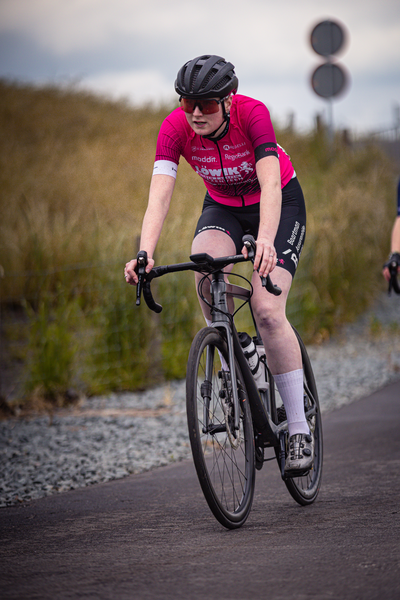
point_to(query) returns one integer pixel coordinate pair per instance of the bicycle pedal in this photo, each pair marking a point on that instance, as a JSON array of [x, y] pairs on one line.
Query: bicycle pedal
[[287, 476], [259, 452]]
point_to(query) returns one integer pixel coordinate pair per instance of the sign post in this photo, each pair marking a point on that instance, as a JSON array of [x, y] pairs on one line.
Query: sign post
[[329, 79]]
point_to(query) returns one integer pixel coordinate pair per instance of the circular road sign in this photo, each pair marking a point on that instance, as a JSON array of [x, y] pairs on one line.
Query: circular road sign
[[328, 80], [327, 38]]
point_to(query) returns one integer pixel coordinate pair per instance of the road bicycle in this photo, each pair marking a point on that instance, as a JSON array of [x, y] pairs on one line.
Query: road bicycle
[[233, 417]]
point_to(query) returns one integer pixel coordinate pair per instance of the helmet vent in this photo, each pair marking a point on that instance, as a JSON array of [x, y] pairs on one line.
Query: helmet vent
[[222, 83], [208, 78]]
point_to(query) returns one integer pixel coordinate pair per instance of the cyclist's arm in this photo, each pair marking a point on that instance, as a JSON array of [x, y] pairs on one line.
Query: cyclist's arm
[[268, 174], [161, 189], [395, 240]]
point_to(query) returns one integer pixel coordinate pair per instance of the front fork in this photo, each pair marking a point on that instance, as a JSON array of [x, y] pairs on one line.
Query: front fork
[[206, 386]]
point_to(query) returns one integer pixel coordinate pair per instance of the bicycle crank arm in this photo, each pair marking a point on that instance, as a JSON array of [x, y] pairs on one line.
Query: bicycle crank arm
[[282, 453]]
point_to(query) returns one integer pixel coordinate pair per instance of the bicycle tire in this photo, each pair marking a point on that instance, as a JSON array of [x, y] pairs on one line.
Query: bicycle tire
[[305, 489], [226, 474]]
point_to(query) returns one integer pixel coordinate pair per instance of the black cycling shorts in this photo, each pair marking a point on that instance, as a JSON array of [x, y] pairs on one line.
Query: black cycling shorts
[[236, 222]]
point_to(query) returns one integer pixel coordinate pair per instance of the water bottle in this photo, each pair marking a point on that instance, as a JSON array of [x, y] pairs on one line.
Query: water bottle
[[253, 353]]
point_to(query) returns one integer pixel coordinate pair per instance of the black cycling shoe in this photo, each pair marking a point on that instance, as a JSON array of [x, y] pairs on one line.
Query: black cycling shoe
[[300, 455]]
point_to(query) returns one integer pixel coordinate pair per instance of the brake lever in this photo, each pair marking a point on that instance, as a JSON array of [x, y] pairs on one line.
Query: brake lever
[[265, 281], [141, 271], [270, 287]]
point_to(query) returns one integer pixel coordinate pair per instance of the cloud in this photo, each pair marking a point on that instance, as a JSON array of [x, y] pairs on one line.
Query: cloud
[[145, 86], [68, 26], [134, 47], [254, 33]]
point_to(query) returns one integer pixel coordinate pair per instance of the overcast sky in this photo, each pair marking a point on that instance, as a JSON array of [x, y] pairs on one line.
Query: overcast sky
[[134, 48]]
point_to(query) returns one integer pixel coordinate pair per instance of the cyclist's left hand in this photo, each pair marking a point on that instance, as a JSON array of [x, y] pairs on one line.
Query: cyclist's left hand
[[130, 271], [265, 258]]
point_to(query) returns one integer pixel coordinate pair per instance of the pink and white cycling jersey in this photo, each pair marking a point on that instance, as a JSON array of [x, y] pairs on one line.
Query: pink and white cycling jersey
[[227, 166]]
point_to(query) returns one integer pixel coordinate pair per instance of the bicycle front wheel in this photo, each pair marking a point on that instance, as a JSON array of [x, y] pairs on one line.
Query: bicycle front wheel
[[224, 457]]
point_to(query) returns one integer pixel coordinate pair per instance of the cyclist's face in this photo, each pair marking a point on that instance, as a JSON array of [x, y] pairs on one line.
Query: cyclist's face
[[203, 124]]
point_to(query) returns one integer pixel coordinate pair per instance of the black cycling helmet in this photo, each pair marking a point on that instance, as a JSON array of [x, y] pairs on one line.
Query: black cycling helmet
[[206, 76]]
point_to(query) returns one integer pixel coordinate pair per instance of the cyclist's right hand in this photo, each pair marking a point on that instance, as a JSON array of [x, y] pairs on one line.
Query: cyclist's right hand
[[131, 270], [391, 263]]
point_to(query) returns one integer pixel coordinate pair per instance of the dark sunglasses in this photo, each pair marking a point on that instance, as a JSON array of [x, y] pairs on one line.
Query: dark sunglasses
[[207, 107]]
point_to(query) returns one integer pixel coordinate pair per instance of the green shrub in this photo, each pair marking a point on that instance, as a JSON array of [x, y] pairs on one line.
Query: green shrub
[[52, 347]]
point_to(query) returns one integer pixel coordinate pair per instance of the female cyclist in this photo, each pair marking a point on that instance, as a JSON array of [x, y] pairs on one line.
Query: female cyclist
[[252, 187]]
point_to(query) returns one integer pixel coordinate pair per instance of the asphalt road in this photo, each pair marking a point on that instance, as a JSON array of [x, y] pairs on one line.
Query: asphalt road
[[152, 536]]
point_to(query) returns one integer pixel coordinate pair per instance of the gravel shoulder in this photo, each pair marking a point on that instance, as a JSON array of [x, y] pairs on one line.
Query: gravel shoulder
[[113, 436]]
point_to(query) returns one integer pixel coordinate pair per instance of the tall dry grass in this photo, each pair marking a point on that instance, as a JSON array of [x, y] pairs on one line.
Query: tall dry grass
[[74, 177]]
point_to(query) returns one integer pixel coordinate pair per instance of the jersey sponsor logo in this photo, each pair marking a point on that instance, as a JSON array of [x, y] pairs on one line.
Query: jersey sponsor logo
[[292, 238], [270, 150], [246, 167], [236, 156], [227, 147], [298, 247], [267, 149], [228, 175], [228, 172], [204, 159]]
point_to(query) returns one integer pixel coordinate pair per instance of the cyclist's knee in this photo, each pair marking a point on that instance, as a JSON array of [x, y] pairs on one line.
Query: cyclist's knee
[[269, 311], [214, 242], [270, 320]]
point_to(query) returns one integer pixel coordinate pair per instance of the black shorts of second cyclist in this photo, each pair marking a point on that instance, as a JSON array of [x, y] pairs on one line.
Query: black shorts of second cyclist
[[236, 222]]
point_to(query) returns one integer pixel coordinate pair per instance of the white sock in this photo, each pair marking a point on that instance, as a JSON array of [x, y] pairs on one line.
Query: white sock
[[290, 387], [224, 366]]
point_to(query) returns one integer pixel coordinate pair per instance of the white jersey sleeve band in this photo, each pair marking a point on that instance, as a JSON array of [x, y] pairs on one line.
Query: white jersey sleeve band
[[165, 167]]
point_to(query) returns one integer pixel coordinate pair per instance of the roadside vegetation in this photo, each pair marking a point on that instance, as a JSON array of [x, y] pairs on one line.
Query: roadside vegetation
[[74, 177]]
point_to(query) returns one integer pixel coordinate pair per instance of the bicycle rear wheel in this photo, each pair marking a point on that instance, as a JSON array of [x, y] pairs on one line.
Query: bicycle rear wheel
[[305, 489], [224, 458]]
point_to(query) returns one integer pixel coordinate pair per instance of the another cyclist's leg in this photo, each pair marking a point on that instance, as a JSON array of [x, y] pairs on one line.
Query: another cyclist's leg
[[284, 359]]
